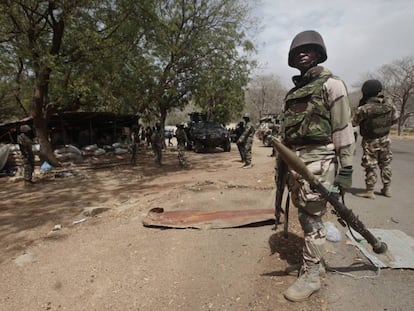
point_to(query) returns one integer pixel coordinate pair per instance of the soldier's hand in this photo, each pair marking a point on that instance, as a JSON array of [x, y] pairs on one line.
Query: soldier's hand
[[344, 177]]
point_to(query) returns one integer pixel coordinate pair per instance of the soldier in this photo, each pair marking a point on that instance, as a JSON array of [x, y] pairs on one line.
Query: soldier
[[317, 127], [182, 141], [375, 116], [238, 132], [157, 143], [246, 141], [25, 145]]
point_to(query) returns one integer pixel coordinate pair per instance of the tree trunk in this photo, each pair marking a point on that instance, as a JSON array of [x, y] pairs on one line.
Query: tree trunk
[[40, 125]]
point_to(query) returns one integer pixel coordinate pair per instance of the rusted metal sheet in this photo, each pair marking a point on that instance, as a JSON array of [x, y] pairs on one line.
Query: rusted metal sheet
[[199, 219]]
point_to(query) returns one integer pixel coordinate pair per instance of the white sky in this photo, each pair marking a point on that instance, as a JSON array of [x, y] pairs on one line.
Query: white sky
[[360, 35]]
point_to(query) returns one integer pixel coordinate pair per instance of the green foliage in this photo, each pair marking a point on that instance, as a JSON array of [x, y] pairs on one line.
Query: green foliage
[[124, 56]]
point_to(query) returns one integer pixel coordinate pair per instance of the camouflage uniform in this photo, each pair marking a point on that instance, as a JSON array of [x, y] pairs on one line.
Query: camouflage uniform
[[375, 118], [157, 143], [246, 141], [240, 146], [25, 145], [182, 140], [317, 126]]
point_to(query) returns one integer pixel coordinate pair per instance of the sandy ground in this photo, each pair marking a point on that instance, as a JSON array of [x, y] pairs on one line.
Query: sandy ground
[[103, 258]]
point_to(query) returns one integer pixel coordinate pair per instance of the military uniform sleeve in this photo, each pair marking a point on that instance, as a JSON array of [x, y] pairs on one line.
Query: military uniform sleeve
[[359, 116], [395, 113], [342, 130]]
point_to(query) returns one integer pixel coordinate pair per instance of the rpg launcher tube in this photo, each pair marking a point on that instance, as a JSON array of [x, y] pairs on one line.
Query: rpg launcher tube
[[296, 164]]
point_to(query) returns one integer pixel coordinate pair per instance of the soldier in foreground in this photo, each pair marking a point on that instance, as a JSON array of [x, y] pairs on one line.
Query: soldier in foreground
[[375, 116], [25, 145], [246, 141], [317, 127], [182, 141]]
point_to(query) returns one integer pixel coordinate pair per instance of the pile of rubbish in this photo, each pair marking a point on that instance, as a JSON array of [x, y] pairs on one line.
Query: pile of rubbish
[[11, 160], [70, 153]]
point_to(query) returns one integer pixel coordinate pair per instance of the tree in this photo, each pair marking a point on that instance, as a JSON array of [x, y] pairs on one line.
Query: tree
[[265, 95], [71, 54], [398, 82], [32, 34], [184, 42]]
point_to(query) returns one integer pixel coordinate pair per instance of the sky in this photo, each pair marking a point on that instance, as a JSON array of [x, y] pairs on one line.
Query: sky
[[360, 35]]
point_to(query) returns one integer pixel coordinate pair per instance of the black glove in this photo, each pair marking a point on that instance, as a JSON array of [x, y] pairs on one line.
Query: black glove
[[344, 177]]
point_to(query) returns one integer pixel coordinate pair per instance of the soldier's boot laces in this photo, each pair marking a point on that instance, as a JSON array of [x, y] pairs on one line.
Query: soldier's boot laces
[[386, 191], [307, 284], [298, 269], [369, 194]]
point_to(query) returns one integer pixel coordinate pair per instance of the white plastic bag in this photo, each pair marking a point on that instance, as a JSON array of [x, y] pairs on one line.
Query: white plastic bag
[[332, 232]]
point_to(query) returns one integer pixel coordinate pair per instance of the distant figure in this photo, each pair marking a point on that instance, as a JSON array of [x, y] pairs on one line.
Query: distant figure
[[182, 141], [375, 116], [275, 132], [170, 135], [143, 134], [148, 135], [25, 145], [246, 140], [135, 138], [157, 143]]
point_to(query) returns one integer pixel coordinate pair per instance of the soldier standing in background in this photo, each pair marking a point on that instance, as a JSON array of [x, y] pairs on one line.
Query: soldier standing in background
[[25, 145], [246, 141], [148, 134], [182, 141], [157, 140], [238, 132], [375, 116], [317, 127]]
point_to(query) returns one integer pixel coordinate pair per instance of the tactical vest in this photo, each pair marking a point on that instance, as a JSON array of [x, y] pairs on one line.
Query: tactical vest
[[379, 120], [306, 116]]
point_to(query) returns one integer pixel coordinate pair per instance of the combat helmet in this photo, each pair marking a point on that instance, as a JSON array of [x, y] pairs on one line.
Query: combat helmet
[[308, 37], [371, 88], [246, 115], [25, 128]]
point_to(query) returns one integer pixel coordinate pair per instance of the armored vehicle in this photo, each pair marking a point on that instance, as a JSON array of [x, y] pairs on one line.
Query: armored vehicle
[[205, 134]]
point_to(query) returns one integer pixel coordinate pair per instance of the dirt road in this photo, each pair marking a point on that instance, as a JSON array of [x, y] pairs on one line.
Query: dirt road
[[110, 261]]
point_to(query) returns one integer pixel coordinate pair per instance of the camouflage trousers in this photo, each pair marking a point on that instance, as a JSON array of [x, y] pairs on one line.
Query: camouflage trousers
[[376, 152], [240, 147], [182, 160], [28, 169], [248, 151], [157, 149], [311, 206]]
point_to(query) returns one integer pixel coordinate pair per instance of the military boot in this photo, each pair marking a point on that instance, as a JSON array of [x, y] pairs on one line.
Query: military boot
[[369, 194], [386, 191], [305, 285], [297, 269]]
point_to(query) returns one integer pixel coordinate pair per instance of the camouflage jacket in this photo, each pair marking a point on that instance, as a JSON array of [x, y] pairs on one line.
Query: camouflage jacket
[[317, 112], [156, 138], [248, 133], [25, 145], [181, 136], [376, 117]]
